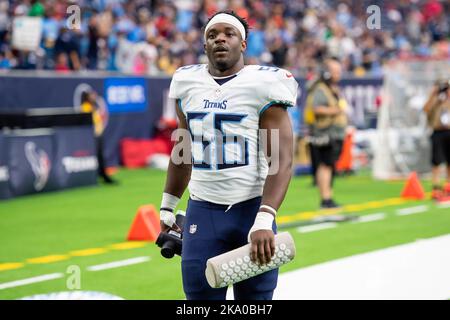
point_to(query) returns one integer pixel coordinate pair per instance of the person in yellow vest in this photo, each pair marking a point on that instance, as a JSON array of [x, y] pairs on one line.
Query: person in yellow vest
[[325, 115], [89, 105], [437, 109]]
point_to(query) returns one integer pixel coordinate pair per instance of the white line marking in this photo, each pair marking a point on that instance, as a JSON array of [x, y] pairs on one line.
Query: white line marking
[[411, 210], [370, 217], [23, 282], [317, 227], [118, 264]]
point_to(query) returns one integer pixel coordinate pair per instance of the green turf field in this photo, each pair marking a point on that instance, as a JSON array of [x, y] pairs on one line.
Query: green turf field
[[54, 225]]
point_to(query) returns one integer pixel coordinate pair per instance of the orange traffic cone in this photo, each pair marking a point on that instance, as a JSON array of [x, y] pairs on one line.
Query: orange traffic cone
[[345, 160], [145, 226], [413, 188]]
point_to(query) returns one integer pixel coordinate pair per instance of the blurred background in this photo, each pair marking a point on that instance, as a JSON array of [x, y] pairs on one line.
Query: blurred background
[[85, 127], [156, 37]]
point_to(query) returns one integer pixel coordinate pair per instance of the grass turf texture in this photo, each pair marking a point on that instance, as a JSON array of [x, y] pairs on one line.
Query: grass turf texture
[[96, 217]]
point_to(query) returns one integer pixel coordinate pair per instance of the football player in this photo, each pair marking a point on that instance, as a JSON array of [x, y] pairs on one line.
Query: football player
[[224, 105]]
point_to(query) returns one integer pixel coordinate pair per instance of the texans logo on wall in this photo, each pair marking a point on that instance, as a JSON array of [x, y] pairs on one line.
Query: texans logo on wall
[[40, 164]]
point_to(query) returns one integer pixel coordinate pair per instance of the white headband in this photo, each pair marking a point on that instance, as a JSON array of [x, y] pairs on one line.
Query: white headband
[[226, 18]]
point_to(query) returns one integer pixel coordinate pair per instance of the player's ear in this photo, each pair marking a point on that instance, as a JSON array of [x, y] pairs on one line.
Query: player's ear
[[204, 47], [243, 45]]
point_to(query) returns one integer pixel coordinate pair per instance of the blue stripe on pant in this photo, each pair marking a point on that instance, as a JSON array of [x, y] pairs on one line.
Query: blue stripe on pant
[[214, 232]]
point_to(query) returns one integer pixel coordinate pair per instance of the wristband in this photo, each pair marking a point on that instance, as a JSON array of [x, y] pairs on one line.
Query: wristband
[[263, 221], [272, 210], [168, 204], [169, 201]]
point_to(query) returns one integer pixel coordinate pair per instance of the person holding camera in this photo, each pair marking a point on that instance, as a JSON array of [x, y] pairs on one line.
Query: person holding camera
[[437, 109], [327, 120]]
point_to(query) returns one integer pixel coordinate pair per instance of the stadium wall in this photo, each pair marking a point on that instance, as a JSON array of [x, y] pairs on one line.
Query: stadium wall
[[133, 105], [42, 160]]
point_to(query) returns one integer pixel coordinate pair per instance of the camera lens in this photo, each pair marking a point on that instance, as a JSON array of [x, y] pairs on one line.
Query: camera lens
[[168, 249]]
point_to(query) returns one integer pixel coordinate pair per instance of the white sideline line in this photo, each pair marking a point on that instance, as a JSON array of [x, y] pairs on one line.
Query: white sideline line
[[317, 227], [23, 282], [411, 210], [118, 264], [370, 217]]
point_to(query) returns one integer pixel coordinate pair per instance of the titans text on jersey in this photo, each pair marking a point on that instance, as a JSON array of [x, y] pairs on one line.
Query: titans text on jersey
[[223, 121]]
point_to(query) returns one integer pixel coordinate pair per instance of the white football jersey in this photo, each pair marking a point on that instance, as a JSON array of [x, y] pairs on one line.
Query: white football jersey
[[223, 120]]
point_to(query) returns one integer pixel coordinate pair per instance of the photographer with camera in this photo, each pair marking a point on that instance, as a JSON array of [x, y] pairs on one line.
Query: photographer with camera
[[327, 121], [437, 109]]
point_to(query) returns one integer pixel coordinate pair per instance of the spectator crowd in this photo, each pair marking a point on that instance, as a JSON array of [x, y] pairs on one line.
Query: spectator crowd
[[156, 37]]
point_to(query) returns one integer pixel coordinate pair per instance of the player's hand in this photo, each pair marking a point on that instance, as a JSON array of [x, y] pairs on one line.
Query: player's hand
[[262, 246], [167, 221], [166, 228]]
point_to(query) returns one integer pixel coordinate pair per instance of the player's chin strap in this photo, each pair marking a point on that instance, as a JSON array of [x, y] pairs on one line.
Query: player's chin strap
[[263, 220], [168, 204]]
